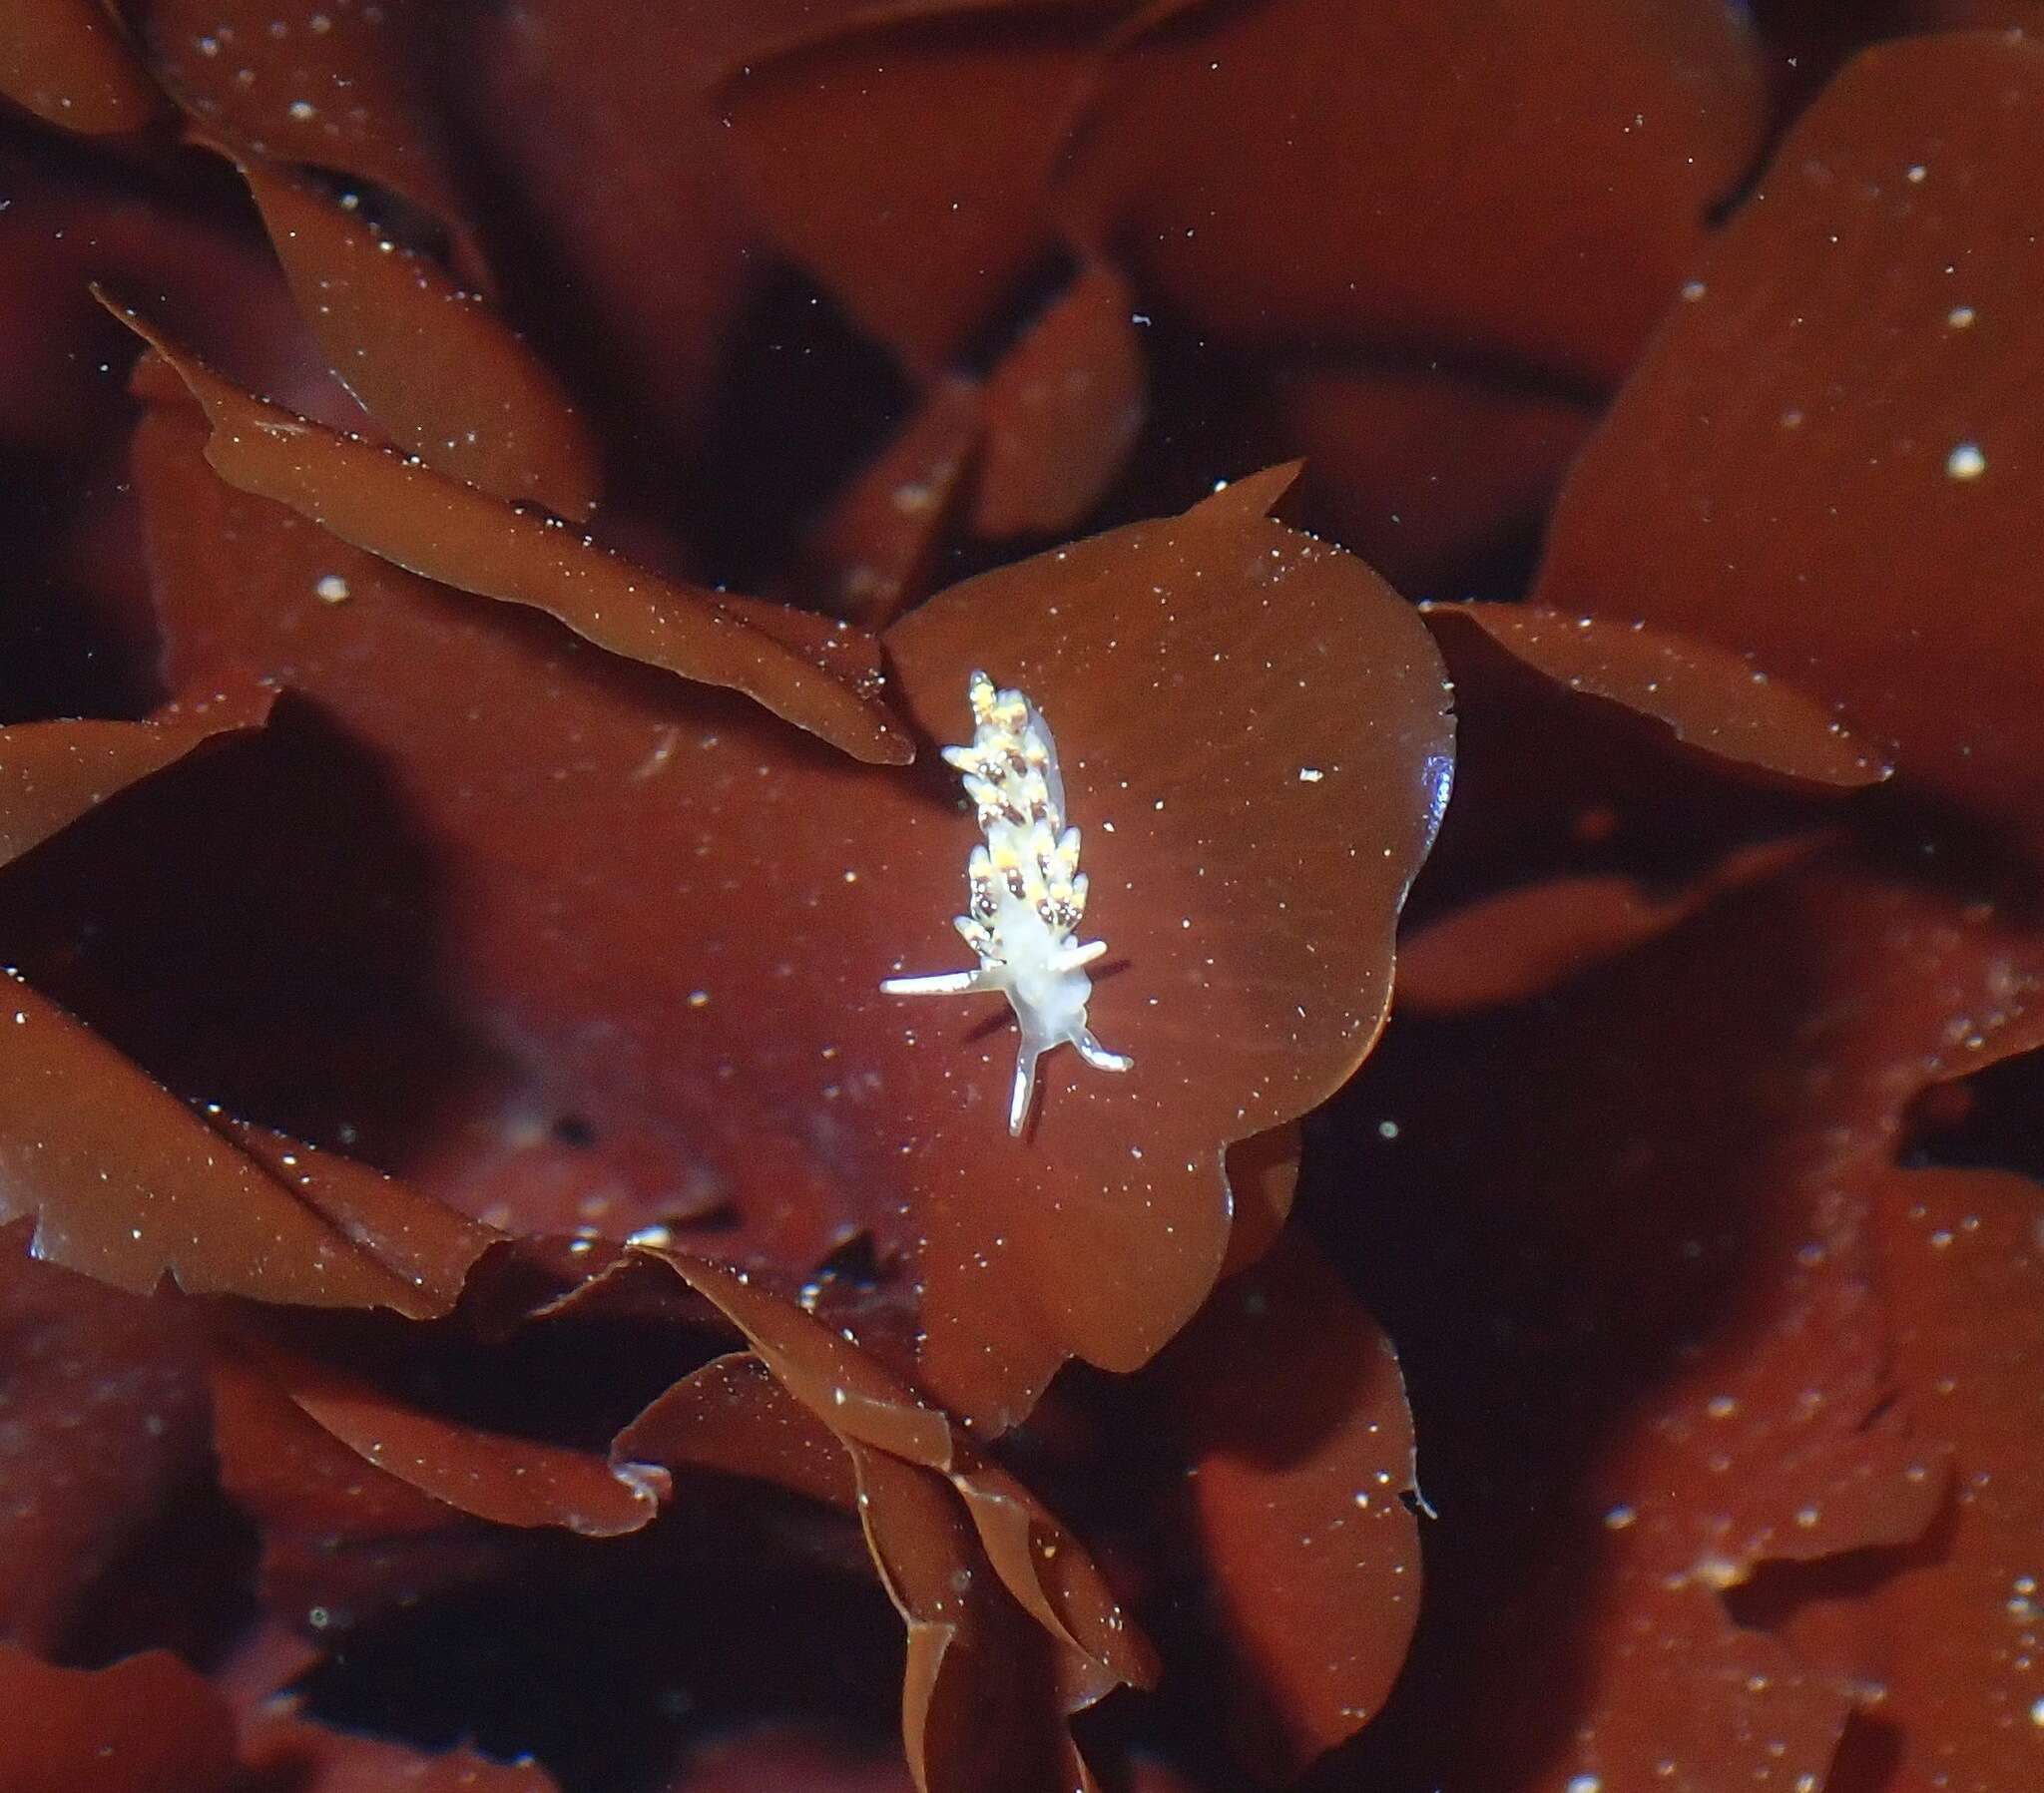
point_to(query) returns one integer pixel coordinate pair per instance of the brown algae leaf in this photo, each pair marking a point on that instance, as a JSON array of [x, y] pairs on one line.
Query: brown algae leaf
[[1256, 744], [145, 1724], [344, 88], [1423, 472], [69, 63], [735, 1416], [1710, 698], [446, 530], [287, 1747], [1254, 738], [1039, 1562], [1701, 1380], [106, 1420], [1064, 406], [337, 1532], [873, 551], [433, 364], [129, 1186], [1285, 1402], [1011, 1625], [984, 1693], [51, 773], [507, 1479], [1947, 1632], [1301, 170], [1826, 461], [953, 125]]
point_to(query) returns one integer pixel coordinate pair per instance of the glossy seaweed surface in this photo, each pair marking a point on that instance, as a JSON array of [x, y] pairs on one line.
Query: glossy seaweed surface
[[1525, 516]]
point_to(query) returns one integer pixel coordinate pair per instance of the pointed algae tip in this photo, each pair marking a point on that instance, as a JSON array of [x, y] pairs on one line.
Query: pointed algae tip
[[204, 386], [127, 316], [1253, 495]]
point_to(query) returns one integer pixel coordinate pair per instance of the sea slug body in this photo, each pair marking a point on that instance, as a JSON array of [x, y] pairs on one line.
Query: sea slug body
[[1027, 893]]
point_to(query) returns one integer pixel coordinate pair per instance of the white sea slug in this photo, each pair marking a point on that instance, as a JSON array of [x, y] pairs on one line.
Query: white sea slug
[[1027, 891]]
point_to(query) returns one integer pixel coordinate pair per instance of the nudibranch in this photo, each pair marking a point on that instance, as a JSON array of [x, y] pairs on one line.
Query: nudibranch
[[1027, 894]]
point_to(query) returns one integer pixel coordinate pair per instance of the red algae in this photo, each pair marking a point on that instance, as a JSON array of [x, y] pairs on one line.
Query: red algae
[[431, 363], [129, 1186], [1718, 1390], [1289, 172], [1710, 699], [70, 64], [51, 773], [1302, 1510], [1337, 801], [339, 86], [399, 508], [496, 1294], [872, 554], [1834, 485], [1934, 1633], [1063, 407], [130, 1374], [143, 1724]]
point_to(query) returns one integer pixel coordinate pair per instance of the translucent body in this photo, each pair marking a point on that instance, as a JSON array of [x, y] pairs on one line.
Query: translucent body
[[1027, 894]]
